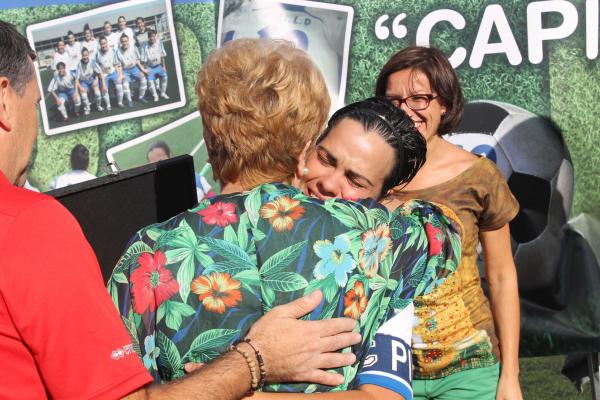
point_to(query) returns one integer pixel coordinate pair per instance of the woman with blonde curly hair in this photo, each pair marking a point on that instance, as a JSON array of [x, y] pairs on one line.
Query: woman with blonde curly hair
[[190, 287]]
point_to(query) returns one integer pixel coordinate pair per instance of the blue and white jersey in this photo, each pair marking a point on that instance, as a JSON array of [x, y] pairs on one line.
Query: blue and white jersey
[[74, 52], [388, 362], [85, 72], [153, 55], [106, 61], [128, 58], [202, 187], [61, 83], [113, 40], [320, 35], [129, 33], [60, 57], [141, 38], [92, 46]]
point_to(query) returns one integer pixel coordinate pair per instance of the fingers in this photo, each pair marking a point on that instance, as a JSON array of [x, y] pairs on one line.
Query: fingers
[[335, 360], [324, 378], [331, 327], [299, 307], [191, 367], [339, 341]]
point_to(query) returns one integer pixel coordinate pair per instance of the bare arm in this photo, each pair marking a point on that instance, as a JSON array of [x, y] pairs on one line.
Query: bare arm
[[141, 67], [227, 378], [501, 274], [293, 351]]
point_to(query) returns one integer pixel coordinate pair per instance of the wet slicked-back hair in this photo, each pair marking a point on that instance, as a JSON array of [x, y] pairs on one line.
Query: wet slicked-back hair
[[15, 57], [380, 116]]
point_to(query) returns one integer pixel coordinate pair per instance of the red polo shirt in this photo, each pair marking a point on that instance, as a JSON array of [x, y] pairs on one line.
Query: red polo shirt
[[60, 334]]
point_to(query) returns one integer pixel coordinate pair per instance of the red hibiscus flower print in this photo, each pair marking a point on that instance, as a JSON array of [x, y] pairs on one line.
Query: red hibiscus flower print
[[355, 301], [217, 291], [282, 212], [434, 235], [220, 213], [152, 283]]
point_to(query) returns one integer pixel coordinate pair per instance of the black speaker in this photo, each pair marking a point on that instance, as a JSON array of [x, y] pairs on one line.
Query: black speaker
[[110, 209]]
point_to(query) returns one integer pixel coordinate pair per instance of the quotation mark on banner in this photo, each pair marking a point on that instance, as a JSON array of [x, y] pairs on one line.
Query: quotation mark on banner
[[398, 30]]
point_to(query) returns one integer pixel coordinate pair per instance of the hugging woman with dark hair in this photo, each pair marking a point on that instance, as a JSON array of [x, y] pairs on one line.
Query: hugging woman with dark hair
[[189, 287]]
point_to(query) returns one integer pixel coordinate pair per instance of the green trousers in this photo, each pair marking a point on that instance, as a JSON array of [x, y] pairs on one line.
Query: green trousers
[[471, 384]]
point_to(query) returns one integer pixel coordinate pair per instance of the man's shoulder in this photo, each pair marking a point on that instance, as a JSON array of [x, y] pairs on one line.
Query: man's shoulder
[[14, 200], [26, 212]]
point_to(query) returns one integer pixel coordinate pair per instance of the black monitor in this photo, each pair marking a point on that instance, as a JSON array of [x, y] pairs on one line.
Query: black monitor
[[112, 208]]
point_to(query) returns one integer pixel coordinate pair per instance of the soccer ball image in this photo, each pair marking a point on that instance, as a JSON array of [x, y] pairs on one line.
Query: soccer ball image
[[531, 153]]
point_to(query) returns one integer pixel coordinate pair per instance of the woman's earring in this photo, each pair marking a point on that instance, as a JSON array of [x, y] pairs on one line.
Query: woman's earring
[[305, 171]]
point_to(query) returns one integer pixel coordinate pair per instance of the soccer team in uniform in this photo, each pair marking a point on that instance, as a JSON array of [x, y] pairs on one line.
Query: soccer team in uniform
[[86, 71]]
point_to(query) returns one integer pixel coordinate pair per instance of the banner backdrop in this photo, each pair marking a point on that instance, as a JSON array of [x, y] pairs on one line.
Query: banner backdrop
[[529, 71]]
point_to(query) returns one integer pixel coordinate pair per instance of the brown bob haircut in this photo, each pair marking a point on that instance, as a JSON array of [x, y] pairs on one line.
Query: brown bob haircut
[[442, 78], [261, 101]]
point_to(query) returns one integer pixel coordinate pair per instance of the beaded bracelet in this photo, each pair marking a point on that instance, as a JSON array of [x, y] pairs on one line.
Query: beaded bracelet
[[254, 379], [261, 365]]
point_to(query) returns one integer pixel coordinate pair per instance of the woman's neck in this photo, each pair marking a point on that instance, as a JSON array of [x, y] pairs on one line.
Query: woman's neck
[[429, 173], [232, 187], [237, 187]]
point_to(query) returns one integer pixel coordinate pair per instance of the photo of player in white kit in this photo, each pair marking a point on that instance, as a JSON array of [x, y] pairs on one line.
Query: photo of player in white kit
[[153, 57], [106, 59], [86, 80], [111, 37], [90, 42], [321, 29], [62, 87], [141, 33], [125, 30], [60, 55], [131, 70], [73, 49]]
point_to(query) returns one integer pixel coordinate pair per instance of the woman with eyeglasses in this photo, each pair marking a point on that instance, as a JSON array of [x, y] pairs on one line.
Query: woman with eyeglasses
[[459, 340]]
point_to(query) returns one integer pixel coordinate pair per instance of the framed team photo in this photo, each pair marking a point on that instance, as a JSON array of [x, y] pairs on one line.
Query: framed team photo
[[323, 30], [108, 64], [183, 136]]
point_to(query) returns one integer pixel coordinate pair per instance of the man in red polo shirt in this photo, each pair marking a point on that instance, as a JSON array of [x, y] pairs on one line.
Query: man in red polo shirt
[[60, 335]]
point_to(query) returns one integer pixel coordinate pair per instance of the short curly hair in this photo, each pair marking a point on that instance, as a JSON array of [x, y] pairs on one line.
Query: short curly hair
[[261, 101]]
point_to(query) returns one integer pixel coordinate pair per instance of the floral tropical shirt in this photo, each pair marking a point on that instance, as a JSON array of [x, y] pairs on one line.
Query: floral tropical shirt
[[189, 287]]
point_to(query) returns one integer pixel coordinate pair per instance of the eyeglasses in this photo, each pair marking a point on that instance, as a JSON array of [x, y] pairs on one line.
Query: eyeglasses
[[416, 102]]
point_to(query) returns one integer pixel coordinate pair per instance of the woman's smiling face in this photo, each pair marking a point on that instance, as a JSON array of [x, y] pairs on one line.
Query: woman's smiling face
[[348, 163], [410, 82]]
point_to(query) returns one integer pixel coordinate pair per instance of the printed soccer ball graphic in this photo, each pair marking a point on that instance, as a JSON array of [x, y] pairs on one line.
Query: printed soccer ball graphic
[[530, 152]]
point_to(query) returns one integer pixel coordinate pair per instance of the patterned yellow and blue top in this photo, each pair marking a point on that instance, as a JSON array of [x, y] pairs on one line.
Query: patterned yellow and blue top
[[455, 329], [189, 287]]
